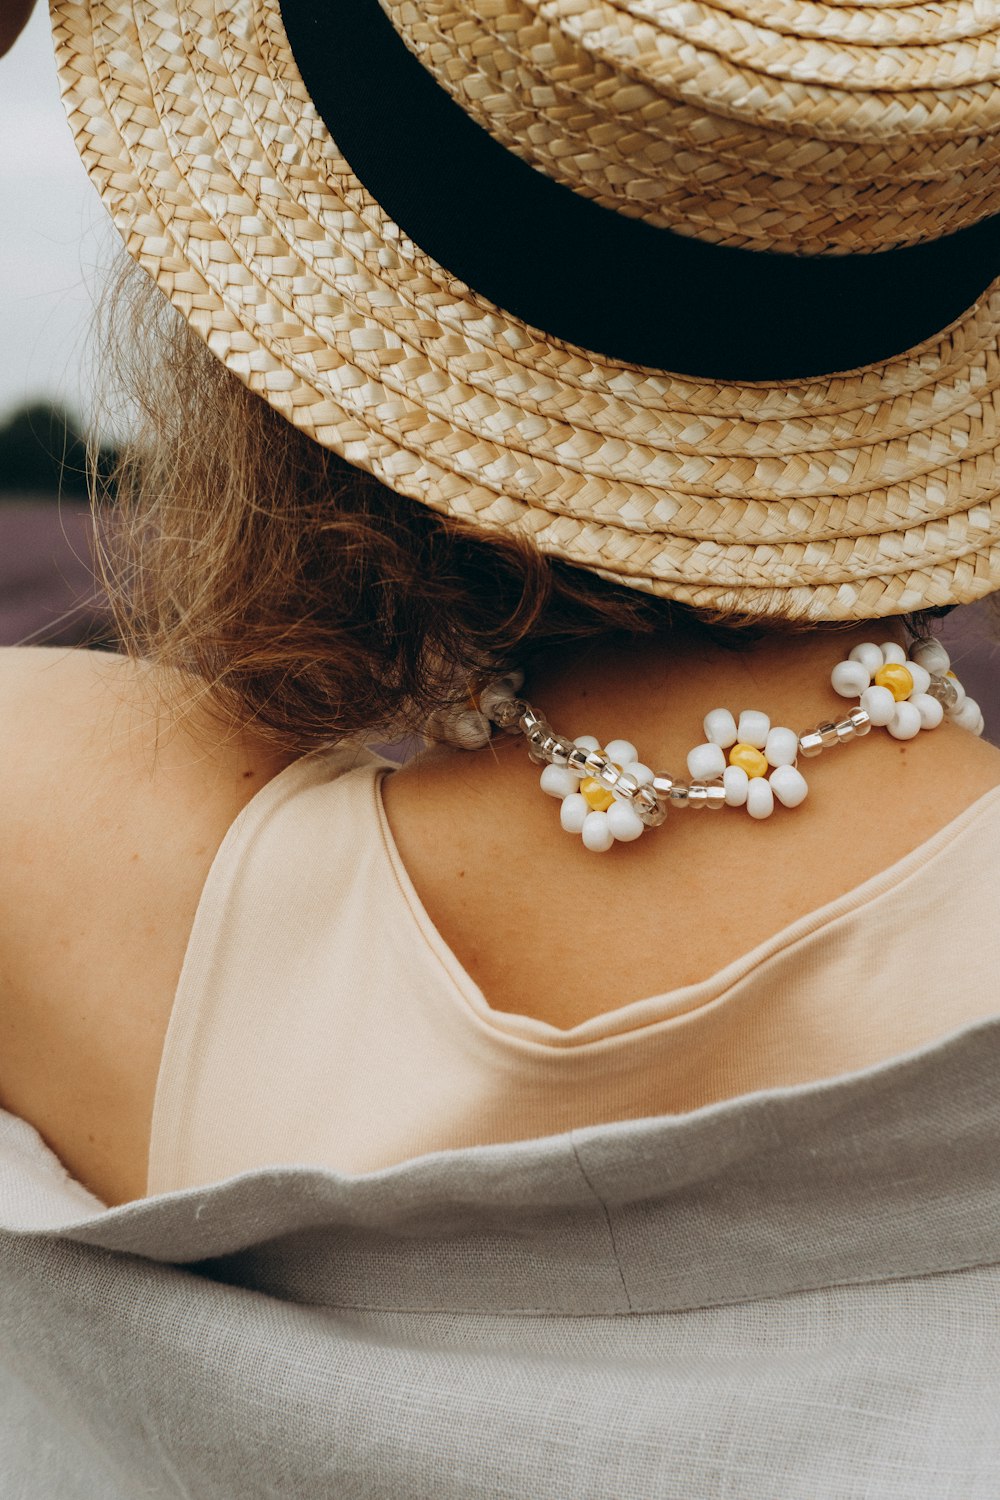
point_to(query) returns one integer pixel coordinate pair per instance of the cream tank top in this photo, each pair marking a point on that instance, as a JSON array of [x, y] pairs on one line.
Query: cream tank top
[[320, 1019]]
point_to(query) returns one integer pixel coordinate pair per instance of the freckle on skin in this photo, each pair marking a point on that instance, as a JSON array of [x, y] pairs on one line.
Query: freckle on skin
[[246, 774]]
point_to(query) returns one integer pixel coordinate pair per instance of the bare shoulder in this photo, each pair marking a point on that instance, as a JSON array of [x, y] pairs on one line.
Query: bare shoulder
[[116, 792], [99, 751]]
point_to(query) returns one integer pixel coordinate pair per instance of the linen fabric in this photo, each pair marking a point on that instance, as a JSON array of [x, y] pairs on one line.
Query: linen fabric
[[320, 1019], [790, 1294]]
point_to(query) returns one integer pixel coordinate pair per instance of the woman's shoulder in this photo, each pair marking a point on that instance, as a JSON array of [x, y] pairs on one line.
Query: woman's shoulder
[[115, 797], [108, 759]]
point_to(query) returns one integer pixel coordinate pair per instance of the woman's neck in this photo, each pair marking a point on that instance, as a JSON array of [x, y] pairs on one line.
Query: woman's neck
[[656, 692], [533, 916]]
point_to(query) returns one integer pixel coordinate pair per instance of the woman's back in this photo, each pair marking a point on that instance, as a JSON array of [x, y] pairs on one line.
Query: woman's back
[[105, 874]]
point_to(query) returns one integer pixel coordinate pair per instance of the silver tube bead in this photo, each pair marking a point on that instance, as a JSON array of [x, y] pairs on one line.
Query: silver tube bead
[[828, 734], [861, 720], [715, 796], [845, 731], [679, 793], [537, 736], [811, 744]]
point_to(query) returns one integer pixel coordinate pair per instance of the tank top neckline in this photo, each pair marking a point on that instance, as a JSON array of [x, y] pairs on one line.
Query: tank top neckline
[[667, 1005]]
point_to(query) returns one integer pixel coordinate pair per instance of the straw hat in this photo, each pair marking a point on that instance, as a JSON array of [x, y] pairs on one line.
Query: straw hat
[[703, 295]]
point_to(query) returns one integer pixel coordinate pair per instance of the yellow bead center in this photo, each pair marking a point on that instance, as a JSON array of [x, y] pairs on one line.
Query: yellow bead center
[[896, 678], [749, 759], [597, 796]]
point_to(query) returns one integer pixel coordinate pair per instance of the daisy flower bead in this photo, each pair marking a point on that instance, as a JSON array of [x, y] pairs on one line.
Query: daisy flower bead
[[590, 805], [906, 694], [754, 760]]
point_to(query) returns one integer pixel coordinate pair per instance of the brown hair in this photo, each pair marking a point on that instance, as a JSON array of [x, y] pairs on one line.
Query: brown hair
[[306, 597], [311, 600]]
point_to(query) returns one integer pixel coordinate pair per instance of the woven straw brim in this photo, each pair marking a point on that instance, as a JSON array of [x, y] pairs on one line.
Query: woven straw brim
[[855, 496]]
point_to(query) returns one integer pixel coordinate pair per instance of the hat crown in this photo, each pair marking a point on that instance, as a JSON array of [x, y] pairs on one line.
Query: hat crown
[[760, 124]]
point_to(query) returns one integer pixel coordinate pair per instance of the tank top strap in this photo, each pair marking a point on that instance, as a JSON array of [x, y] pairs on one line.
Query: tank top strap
[[283, 862]]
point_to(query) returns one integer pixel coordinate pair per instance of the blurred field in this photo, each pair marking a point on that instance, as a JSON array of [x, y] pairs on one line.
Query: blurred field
[[47, 591]]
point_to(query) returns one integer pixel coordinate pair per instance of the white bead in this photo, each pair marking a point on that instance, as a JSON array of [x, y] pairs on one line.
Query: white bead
[[905, 722], [921, 678], [930, 710], [967, 715], [596, 832], [850, 678], [624, 822], [879, 704], [869, 655], [736, 781], [960, 699], [782, 746], [788, 785], [559, 782], [760, 798], [587, 742], [469, 729], [706, 762], [933, 656], [621, 752], [573, 813], [500, 690], [642, 774], [754, 728], [892, 652], [720, 728]]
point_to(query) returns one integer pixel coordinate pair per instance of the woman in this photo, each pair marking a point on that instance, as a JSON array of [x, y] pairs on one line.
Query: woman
[[540, 364]]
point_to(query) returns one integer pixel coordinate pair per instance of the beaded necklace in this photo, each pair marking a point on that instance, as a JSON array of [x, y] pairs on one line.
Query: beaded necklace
[[607, 795]]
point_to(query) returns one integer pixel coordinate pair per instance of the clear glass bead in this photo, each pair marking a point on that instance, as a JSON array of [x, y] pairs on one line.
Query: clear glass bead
[[944, 690]]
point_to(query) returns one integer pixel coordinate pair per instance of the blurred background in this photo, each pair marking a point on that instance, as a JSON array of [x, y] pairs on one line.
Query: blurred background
[[56, 244]]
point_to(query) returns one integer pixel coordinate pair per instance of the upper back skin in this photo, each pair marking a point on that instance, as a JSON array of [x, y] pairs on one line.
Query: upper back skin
[[111, 814]]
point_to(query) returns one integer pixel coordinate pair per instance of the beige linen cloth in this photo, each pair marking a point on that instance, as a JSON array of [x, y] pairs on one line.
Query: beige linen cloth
[[793, 1294]]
